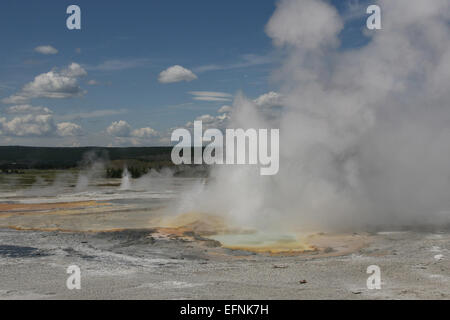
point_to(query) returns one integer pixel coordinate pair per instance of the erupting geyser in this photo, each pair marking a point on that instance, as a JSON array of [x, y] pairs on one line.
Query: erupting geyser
[[364, 132], [125, 182]]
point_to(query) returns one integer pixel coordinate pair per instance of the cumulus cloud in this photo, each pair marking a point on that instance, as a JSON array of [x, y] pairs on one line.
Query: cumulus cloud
[[46, 50], [176, 74], [270, 104], [68, 129], [269, 99], [28, 125], [142, 133], [119, 128], [56, 84], [31, 121], [211, 122], [265, 103], [224, 109], [210, 96], [74, 70], [124, 135]]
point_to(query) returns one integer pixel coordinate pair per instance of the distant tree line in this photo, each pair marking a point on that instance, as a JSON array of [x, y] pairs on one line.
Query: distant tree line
[[18, 157], [139, 160]]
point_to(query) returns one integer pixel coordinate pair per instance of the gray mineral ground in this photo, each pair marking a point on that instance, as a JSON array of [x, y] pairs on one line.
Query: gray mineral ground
[[133, 265]]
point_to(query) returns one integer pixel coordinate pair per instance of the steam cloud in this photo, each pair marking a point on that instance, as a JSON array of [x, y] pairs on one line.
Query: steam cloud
[[364, 133]]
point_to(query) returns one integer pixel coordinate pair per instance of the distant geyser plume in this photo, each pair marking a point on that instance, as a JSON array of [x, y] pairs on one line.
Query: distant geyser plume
[[125, 183], [364, 133], [93, 167]]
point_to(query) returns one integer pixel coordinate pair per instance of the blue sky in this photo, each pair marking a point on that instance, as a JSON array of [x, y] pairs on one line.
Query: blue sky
[[123, 46]]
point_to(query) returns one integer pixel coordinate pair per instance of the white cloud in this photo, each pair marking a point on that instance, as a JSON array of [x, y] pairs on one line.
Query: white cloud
[[119, 128], [14, 99], [91, 114], [53, 84], [210, 99], [122, 129], [144, 133], [74, 70], [270, 105], [123, 134], [211, 122], [27, 109], [269, 99], [30, 121], [210, 96], [264, 102], [118, 64], [225, 109], [245, 61], [46, 50], [176, 74], [29, 125], [206, 118], [92, 82], [68, 129]]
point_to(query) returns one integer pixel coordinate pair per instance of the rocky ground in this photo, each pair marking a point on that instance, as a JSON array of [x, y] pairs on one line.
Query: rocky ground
[[145, 264]]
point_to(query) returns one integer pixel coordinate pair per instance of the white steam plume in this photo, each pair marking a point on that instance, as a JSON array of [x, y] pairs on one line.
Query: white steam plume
[[364, 133]]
